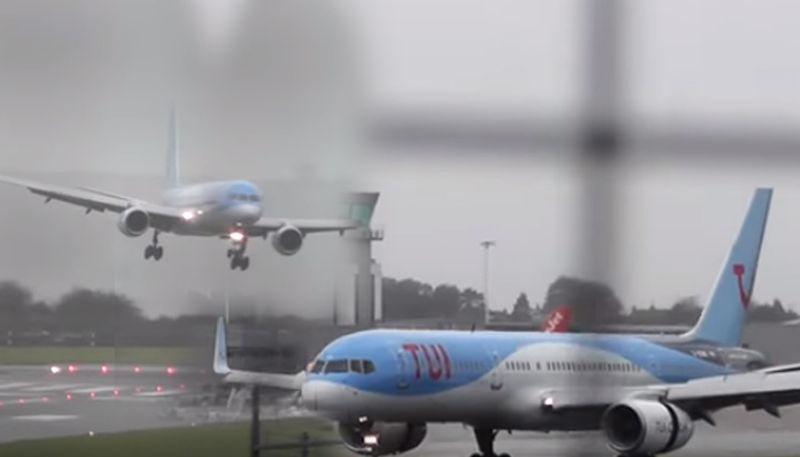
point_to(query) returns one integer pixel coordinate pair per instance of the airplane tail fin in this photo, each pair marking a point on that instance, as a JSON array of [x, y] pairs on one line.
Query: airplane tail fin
[[291, 382], [723, 317], [558, 321], [221, 349], [173, 152]]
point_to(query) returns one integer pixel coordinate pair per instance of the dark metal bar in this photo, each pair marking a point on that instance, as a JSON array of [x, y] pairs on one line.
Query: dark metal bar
[[255, 422]]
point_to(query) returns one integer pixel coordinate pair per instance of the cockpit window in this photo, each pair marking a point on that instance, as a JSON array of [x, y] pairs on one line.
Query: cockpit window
[[336, 366], [317, 368], [356, 367], [254, 198], [369, 367]]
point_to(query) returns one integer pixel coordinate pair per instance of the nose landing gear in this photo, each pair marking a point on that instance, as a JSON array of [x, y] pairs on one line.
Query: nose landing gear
[[237, 255], [154, 250], [485, 438]]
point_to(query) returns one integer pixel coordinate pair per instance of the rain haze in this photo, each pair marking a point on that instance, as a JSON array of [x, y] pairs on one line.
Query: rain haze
[[280, 92]]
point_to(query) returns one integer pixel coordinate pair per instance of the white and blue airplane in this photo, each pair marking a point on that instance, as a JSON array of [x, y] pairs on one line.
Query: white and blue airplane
[[230, 210], [384, 386]]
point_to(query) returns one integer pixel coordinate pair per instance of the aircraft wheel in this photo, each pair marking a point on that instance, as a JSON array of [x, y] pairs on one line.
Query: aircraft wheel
[[234, 263], [158, 253], [504, 455], [149, 252], [245, 263]]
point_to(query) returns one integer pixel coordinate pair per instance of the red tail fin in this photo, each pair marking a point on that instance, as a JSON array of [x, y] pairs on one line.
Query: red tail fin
[[558, 321]]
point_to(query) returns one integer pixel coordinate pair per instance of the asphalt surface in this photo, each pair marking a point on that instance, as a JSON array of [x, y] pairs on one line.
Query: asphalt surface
[[35, 403], [728, 440]]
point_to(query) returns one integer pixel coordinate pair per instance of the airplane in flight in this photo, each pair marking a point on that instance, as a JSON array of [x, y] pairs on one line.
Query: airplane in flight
[[384, 386], [231, 210]]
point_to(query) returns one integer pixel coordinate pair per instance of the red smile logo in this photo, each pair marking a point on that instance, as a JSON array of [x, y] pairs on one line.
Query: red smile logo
[[744, 297]]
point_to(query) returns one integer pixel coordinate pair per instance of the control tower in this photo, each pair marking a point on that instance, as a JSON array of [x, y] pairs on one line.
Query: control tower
[[358, 287]]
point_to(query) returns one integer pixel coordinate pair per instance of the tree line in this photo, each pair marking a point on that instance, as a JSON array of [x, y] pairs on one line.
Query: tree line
[[85, 316], [591, 302]]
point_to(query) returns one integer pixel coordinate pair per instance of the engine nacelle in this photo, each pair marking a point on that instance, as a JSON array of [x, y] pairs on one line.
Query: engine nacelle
[[287, 240], [382, 438], [646, 427], [133, 222]]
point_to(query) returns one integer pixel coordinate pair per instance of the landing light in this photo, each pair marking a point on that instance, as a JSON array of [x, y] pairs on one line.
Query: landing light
[[548, 402], [371, 440], [237, 236], [188, 215]]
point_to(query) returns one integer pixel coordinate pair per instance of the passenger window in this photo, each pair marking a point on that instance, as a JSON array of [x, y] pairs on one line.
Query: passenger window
[[356, 367], [317, 368], [368, 366], [336, 366], [538, 366]]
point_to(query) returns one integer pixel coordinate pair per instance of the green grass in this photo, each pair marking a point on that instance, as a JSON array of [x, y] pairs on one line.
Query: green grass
[[47, 355], [210, 440]]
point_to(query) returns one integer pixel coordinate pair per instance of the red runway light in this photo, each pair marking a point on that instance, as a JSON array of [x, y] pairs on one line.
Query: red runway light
[[45, 399], [158, 388], [72, 368], [171, 371], [69, 396], [104, 369], [21, 401], [116, 393], [137, 370], [93, 395]]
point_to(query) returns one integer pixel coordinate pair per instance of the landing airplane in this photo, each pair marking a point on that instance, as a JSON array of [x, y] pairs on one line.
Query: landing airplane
[[226, 209], [384, 386]]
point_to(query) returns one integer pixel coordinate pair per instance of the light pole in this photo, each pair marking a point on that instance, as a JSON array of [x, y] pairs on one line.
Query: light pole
[[486, 245]]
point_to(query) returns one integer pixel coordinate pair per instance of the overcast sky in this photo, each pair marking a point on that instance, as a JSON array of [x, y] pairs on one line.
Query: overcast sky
[[277, 90]]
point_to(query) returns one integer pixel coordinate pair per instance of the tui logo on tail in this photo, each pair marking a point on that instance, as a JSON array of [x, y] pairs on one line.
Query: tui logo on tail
[[744, 297]]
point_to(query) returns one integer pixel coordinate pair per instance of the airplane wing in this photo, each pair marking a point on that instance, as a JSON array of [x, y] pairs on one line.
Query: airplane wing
[[162, 217], [765, 389], [271, 224]]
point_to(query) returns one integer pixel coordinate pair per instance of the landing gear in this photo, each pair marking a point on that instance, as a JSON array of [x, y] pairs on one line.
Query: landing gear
[[154, 250], [237, 255], [485, 438]]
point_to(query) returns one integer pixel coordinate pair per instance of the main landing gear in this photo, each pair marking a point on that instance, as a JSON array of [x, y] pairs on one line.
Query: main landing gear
[[237, 255], [485, 438], [154, 250]]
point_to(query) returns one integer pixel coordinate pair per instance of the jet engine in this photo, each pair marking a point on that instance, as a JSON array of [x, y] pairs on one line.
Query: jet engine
[[133, 222], [382, 438], [287, 240], [646, 427]]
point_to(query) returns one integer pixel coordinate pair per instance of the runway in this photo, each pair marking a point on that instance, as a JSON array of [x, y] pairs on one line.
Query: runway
[[456, 441], [36, 403]]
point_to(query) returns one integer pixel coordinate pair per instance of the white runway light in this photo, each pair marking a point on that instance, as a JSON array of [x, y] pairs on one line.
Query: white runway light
[[55, 369]]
